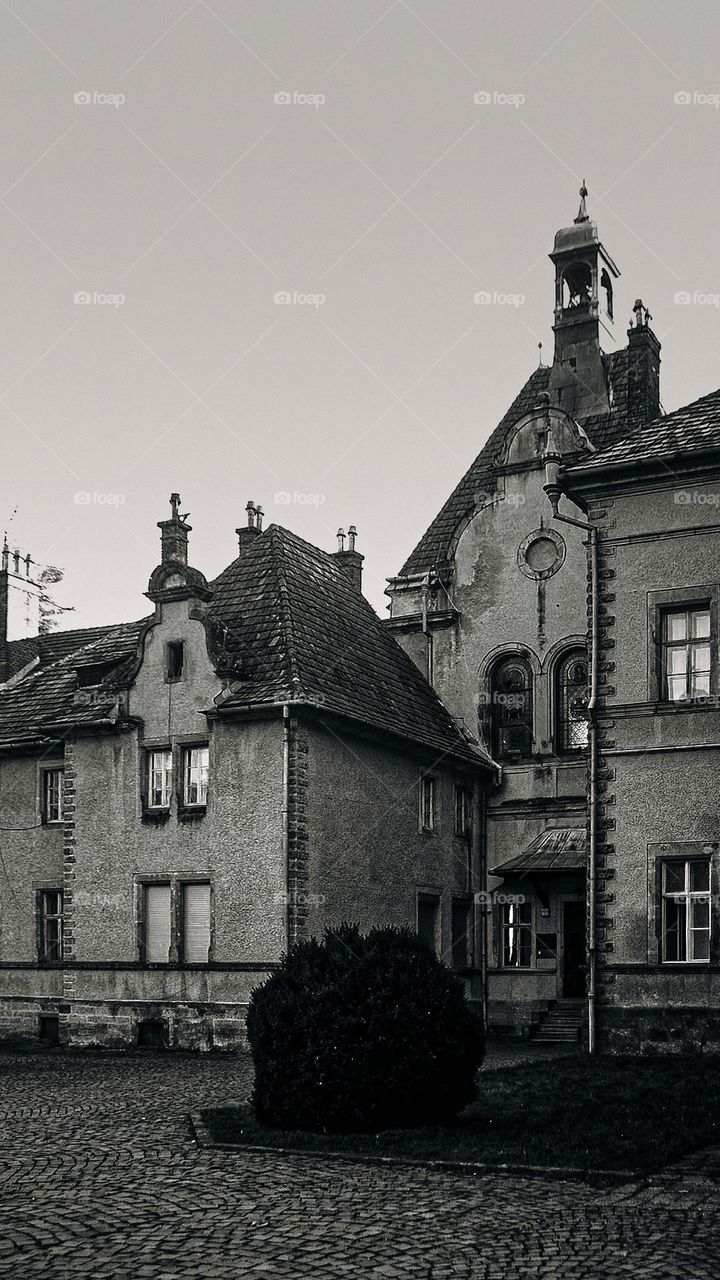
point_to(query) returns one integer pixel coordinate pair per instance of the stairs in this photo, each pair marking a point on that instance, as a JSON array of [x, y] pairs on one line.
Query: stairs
[[562, 1024]]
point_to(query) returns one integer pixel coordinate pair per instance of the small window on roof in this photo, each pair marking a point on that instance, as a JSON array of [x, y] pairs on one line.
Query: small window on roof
[[174, 658]]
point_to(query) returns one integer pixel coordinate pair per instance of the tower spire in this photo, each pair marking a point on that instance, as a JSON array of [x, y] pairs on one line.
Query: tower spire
[[582, 211]]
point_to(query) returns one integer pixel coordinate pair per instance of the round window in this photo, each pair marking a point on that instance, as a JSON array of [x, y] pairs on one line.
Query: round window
[[541, 554]]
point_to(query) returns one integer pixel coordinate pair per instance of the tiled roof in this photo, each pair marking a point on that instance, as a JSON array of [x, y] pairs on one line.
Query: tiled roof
[[49, 693], [602, 430], [287, 620], [695, 426], [49, 648], [311, 637], [561, 849]]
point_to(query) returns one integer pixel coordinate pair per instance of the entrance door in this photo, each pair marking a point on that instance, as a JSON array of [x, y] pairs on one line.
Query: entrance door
[[573, 965]]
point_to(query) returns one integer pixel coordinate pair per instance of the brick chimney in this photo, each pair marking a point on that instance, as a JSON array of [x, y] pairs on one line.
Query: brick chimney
[[247, 533], [350, 560], [174, 534], [643, 368]]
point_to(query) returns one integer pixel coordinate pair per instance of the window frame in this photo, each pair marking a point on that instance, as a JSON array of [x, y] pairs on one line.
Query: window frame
[[497, 723], [689, 644], [186, 749], [523, 926], [688, 897], [462, 811], [177, 883], [429, 785], [173, 647], [46, 772], [44, 917], [687, 598], [562, 722], [150, 752]]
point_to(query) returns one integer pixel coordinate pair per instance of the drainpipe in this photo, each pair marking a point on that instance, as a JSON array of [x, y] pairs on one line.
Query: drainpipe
[[479, 840], [286, 815], [426, 629], [554, 490]]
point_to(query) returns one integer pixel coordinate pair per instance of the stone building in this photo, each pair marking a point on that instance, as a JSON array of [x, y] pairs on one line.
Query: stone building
[[491, 606], [183, 796]]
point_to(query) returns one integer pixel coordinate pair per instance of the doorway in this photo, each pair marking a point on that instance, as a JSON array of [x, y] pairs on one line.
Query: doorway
[[573, 955]]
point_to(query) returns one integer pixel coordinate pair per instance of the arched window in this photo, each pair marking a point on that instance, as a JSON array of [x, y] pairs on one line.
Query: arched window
[[577, 286], [570, 700], [512, 708], [606, 285]]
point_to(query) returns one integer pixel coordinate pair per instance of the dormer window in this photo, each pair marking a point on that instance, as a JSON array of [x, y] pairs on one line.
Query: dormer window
[[174, 660]]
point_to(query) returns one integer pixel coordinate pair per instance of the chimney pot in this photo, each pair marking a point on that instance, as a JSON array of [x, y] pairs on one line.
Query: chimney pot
[[350, 561], [246, 533]]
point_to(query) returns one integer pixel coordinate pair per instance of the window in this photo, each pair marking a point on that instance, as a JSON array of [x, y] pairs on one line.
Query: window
[[512, 710], [517, 935], [51, 795], [174, 658], [176, 925], [50, 926], [196, 767], [160, 769], [428, 917], [195, 940], [686, 910], [461, 933], [571, 697], [685, 653], [462, 811], [428, 794]]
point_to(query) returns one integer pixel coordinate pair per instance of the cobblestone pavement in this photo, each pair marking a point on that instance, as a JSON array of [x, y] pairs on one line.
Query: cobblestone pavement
[[100, 1177]]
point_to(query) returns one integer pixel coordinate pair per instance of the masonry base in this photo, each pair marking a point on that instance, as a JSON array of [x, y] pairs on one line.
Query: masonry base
[[652, 1031], [29, 1022]]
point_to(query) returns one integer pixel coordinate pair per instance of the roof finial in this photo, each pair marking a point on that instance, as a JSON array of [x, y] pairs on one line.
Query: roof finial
[[539, 355], [582, 211], [175, 505]]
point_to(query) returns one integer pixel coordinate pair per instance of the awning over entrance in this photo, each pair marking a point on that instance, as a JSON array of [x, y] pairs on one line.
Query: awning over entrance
[[559, 850]]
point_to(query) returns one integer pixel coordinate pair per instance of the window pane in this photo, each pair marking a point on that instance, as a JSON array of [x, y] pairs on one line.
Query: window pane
[[700, 657], [196, 775], [700, 685], [196, 923], [677, 688], [700, 944], [675, 920], [700, 877], [157, 923], [675, 877], [676, 660], [699, 913], [676, 626], [160, 778], [701, 622]]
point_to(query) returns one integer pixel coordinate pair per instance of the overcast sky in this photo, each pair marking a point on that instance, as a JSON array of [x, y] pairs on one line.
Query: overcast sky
[[182, 197]]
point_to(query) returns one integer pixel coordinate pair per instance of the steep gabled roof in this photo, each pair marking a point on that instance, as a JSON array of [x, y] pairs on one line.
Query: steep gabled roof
[[602, 429], [694, 427], [311, 637]]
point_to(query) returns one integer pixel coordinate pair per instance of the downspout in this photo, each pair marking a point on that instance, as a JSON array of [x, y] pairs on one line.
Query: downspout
[[479, 829], [554, 490], [286, 818]]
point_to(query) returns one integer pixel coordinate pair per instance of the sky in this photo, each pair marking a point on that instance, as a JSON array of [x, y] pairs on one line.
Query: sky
[[243, 244]]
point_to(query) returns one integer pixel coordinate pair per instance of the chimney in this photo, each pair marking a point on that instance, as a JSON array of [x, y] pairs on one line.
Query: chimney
[[643, 368], [19, 602], [350, 560], [174, 534], [248, 533]]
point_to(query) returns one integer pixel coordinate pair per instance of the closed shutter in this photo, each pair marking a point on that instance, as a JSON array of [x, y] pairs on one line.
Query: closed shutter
[[157, 923], [196, 923]]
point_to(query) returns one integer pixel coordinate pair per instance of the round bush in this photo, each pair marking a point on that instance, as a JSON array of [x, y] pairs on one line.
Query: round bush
[[357, 1033]]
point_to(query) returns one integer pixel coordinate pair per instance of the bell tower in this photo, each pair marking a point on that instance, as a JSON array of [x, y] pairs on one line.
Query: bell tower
[[584, 310]]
